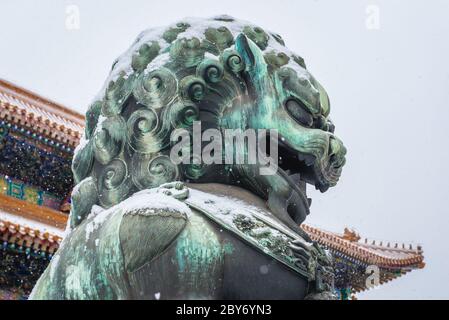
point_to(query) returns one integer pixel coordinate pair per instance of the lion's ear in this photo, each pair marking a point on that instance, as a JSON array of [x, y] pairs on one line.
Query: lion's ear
[[250, 53]]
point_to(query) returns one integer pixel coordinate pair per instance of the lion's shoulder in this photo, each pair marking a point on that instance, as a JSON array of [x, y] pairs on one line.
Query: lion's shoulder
[[150, 223]]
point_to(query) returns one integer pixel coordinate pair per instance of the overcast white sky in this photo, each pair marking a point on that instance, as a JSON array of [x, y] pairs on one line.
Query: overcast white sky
[[389, 89]]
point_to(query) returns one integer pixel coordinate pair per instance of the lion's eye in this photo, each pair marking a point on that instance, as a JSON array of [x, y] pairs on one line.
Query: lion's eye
[[299, 111]]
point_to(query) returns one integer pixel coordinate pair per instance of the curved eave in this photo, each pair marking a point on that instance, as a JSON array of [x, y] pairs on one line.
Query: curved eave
[[27, 109], [370, 255]]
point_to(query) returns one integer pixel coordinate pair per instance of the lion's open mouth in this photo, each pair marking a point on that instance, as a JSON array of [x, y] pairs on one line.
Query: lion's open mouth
[[294, 170], [304, 169]]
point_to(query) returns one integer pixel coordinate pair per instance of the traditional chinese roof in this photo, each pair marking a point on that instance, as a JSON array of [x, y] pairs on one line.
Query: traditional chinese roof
[[393, 261], [387, 256], [21, 234], [40, 115], [25, 224]]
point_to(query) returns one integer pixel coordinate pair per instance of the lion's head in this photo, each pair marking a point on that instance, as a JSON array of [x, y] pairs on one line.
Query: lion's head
[[227, 74]]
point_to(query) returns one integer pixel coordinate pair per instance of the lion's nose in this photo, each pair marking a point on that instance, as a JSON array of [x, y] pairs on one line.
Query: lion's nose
[[336, 152], [330, 127], [325, 124]]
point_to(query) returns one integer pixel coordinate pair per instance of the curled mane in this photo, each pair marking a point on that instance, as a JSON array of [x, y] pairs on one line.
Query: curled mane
[[169, 78]]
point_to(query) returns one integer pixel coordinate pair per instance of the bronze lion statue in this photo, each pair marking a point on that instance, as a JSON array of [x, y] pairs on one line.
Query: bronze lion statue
[[143, 226]]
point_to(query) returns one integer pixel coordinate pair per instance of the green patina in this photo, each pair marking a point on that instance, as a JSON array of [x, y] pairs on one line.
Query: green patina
[[229, 74], [197, 246], [268, 238]]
